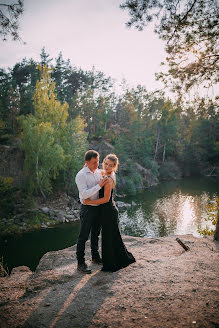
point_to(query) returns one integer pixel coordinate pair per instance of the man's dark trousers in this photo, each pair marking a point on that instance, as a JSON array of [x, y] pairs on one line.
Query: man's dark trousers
[[90, 222]]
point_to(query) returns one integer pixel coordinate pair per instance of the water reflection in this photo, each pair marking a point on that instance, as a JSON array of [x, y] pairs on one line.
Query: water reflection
[[165, 212], [176, 207]]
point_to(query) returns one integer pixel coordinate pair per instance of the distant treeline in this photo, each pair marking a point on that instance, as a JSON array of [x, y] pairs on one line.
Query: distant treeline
[[53, 111]]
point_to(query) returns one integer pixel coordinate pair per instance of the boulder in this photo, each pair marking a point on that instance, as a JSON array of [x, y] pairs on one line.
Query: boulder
[[60, 217], [51, 212], [122, 204], [56, 259], [20, 269], [149, 179], [70, 217], [45, 210]]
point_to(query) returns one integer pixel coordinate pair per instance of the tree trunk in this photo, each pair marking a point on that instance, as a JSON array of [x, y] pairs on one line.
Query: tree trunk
[[37, 175], [157, 143], [164, 151]]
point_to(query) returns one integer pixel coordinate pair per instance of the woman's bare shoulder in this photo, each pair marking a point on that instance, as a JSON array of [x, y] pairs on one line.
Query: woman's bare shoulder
[[111, 181]]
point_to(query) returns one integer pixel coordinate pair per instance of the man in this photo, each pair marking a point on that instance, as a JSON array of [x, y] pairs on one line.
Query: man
[[89, 181]]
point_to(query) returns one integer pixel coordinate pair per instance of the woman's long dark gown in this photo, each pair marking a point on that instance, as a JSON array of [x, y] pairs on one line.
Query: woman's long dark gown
[[114, 253]]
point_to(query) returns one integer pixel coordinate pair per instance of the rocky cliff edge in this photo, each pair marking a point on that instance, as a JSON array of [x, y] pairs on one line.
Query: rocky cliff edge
[[166, 287]]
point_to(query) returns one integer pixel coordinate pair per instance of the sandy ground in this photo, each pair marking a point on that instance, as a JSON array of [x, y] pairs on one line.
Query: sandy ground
[[166, 287]]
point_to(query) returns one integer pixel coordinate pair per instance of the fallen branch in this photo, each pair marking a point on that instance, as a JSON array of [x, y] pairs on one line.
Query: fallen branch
[[182, 244]]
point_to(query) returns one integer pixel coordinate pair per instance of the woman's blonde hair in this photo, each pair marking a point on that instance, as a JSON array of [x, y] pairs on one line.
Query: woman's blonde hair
[[114, 159]]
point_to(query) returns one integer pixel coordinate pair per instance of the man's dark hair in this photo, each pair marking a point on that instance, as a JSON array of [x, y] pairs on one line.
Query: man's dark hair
[[91, 154]]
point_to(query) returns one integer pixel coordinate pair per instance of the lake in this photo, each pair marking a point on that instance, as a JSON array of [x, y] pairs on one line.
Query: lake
[[170, 208]]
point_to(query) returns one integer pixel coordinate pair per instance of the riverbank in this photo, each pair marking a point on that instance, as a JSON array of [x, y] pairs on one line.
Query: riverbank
[[41, 213], [166, 287], [45, 213]]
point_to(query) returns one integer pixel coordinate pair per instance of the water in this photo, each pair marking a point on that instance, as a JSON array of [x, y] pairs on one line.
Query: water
[[28, 248], [171, 208]]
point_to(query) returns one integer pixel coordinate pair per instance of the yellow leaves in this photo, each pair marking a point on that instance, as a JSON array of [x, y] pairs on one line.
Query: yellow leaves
[[213, 215], [47, 107], [5, 183], [51, 144], [44, 127], [2, 125]]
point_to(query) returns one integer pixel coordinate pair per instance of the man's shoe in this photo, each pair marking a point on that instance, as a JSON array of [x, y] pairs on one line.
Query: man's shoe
[[83, 268], [97, 261]]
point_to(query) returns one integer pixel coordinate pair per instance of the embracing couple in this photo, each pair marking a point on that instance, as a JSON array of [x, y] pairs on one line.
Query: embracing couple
[[99, 212]]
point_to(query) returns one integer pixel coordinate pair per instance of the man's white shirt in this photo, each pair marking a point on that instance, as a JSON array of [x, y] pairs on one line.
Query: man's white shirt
[[88, 183]]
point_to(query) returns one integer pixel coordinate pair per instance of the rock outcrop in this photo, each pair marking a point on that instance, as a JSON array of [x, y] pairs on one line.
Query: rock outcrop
[[12, 163], [148, 178], [166, 287]]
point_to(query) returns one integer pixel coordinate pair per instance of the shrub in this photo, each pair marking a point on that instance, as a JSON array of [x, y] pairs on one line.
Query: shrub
[[6, 196], [6, 184], [213, 217], [152, 165], [129, 184], [3, 269], [169, 171]]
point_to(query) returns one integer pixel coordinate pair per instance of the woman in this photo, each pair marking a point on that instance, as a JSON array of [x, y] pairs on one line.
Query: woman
[[114, 253]]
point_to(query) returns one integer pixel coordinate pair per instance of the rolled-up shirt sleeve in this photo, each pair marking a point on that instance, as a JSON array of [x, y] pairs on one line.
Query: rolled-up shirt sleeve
[[82, 187]]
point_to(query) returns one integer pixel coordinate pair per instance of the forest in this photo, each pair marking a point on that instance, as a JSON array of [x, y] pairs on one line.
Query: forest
[[53, 112]]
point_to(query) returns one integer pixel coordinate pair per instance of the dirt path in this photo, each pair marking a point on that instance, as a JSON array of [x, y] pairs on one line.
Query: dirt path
[[166, 287]]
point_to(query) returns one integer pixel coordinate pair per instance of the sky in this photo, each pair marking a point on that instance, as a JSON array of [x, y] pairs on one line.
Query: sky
[[89, 33]]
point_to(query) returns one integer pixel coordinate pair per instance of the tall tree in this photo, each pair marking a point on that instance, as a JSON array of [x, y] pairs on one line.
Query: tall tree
[[45, 60], [24, 76], [190, 29], [47, 136]]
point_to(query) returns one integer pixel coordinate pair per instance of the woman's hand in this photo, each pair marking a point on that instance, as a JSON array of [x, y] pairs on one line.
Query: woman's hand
[[103, 181], [87, 201]]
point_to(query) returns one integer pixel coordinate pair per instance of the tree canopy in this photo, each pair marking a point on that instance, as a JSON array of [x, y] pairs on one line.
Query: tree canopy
[[52, 144], [190, 29], [64, 109]]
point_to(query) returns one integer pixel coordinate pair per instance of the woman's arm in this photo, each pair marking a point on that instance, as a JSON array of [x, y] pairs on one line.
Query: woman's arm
[[107, 193], [82, 186]]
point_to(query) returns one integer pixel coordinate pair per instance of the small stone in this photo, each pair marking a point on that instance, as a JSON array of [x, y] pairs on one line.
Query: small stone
[[70, 217], [45, 210]]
